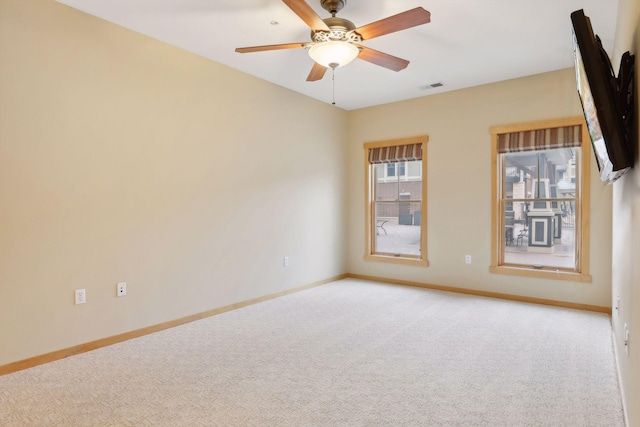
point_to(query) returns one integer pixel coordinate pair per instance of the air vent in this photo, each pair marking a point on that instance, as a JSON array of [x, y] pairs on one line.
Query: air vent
[[432, 86]]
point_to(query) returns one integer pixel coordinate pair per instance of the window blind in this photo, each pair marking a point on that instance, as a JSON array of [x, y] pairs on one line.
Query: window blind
[[541, 139], [395, 153]]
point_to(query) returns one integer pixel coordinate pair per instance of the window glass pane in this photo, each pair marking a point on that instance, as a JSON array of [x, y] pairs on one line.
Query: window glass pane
[[410, 171], [406, 185], [544, 174], [539, 229], [386, 187], [410, 187], [532, 249], [397, 228]]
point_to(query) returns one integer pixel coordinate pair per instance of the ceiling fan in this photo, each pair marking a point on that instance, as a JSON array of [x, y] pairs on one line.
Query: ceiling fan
[[336, 41]]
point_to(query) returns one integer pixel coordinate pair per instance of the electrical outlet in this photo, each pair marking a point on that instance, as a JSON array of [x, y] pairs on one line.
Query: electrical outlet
[[285, 262], [618, 304], [81, 296], [626, 338], [121, 289], [467, 259]]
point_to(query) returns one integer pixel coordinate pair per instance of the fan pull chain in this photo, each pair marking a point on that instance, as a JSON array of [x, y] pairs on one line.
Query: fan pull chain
[[333, 66], [333, 86]]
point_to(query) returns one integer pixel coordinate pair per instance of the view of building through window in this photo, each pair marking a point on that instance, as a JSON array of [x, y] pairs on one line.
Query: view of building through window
[[540, 190], [398, 192]]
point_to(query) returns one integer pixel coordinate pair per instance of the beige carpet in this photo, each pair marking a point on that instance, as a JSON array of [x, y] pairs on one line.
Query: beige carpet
[[350, 353]]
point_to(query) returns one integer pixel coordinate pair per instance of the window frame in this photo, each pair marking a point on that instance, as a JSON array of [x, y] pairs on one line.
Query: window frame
[[370, 204], [582, 206]]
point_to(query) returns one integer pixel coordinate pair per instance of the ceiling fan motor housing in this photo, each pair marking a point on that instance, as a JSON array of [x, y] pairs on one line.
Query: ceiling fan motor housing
[[341, 29], [333, 6]]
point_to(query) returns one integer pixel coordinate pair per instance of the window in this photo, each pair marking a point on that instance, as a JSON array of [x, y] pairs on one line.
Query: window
[[396, 201], [400, 167], [540, 199]]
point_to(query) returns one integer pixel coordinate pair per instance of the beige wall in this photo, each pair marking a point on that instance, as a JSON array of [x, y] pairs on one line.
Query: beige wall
[[626, 236], [125, 159], [459, 185]]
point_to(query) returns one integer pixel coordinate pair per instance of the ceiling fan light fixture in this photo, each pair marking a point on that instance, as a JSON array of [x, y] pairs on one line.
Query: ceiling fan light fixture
[[330, 53]]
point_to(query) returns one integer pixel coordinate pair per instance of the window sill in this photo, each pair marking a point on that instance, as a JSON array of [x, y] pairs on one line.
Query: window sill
[[542, 274], [397, 260]]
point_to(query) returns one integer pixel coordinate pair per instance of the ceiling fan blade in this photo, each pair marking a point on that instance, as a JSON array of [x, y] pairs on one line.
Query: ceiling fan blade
[[401, 21], [307, 14], [382, 59], [270, 47], [317, 72]]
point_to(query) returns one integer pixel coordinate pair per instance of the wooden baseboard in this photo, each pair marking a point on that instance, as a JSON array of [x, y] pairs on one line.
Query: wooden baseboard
[[103, 342], [542, 301]]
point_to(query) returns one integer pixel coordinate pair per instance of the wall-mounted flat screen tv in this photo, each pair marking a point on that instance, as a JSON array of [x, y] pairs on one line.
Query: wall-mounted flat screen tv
[[600, 98]]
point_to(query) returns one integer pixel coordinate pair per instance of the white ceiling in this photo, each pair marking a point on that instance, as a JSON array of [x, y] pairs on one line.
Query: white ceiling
[[467, 42]]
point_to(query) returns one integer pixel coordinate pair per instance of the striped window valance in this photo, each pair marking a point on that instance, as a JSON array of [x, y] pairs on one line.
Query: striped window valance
[[541, 139], [395, 153]]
